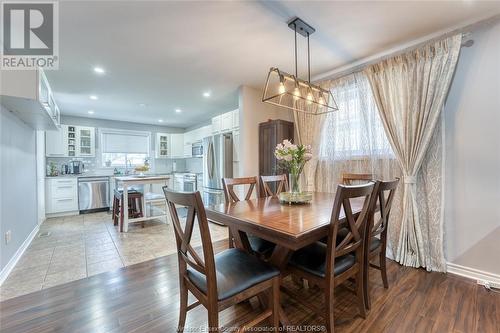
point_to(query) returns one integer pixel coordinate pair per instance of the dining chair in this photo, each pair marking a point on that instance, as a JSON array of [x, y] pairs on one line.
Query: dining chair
[[377, 233], [217, 281], [280, 182], [356, 178], [261, 247], [328, 265]]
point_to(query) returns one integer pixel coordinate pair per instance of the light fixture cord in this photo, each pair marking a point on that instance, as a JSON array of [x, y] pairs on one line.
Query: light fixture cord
[[308, 61], [295, 28]]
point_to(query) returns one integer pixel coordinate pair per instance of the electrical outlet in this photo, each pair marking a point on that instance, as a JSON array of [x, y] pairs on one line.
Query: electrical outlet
[[8, 236]]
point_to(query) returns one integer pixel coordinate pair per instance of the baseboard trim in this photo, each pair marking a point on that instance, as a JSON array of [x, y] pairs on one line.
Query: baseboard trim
[[15, 258], [472, 273]]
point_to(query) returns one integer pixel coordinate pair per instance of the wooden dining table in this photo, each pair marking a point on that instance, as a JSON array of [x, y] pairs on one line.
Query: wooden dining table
[[290, 227]]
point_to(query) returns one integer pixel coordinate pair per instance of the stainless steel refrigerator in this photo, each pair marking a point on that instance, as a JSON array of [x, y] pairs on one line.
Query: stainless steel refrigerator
[[217, 164]]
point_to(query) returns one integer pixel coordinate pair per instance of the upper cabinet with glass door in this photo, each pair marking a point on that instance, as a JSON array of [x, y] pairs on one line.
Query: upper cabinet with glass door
[[86, 141], [162, 145]]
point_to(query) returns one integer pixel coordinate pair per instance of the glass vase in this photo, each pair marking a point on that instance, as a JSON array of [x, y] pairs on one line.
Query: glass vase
[[293, 179]]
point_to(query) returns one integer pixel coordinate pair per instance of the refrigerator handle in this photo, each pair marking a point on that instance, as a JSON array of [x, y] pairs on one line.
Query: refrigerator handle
[[210, 160]]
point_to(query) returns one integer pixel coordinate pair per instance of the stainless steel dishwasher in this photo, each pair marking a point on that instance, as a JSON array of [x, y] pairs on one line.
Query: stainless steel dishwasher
[[93, 194]]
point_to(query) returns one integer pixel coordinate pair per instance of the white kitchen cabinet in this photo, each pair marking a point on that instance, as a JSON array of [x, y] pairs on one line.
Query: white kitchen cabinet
[[217, 124], [227, 121], [55, 142], [27, 94], [176, 145], [205, 131], [162, 145], [236, 146], [236, 118], [61, 195], [85, 138]]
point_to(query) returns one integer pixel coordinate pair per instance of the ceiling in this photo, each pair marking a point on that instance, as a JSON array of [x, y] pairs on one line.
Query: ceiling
[[166, 54]]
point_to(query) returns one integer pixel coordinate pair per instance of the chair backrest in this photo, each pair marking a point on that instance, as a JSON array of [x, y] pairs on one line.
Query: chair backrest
[[229, 183], [187, 256], [384, 196], [356, 178], [281, 184], [354, 239]]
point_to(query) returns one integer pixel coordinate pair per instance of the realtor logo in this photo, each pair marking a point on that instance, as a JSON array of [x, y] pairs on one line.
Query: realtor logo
[[30, 35]]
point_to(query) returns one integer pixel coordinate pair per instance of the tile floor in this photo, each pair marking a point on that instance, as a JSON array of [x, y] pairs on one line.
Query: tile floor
[[85, 245]]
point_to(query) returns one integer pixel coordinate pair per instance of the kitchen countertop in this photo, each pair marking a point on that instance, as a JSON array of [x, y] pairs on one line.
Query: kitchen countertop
[[98, 174]]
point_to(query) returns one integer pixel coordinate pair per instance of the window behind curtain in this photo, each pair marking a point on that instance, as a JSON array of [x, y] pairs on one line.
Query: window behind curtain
[[123, 148], [355, 131]]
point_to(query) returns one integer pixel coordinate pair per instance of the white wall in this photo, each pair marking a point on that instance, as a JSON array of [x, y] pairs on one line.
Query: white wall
[[18, 183], [472, 120], [253, 112]]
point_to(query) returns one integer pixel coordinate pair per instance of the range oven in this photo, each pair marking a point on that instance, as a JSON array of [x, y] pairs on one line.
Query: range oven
[[189, 182]]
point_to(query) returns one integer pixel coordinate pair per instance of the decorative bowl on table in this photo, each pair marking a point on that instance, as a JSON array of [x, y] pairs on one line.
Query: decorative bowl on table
[[295, 198]]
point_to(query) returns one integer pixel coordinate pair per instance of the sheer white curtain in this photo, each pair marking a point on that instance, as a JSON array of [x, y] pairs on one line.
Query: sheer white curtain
[[353, 140]]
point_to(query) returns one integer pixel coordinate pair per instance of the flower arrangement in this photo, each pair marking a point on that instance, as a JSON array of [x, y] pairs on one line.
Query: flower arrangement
[[293, 157]]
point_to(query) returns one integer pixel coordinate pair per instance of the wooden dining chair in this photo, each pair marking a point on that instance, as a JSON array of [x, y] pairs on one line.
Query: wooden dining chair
[[261, 247], [377, 233], [217, 281], [356, 178], [280, 182], [328, 265]]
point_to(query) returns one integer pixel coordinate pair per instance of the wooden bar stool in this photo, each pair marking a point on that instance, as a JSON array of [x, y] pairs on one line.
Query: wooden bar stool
[[134, 207]]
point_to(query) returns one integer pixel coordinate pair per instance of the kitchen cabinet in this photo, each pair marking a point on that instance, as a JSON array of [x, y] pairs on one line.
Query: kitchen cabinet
[[61, 195], [227, 121], [236, 146], [55, 142], [205, 131], [28, 95], [176, 145], [217, 124], [70, 141], [85, 141], [236, 118], [162, 145]]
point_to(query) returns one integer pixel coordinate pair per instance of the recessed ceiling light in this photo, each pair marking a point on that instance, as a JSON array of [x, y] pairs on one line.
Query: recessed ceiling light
[[142, 105], [206, 94], [178, 110], [99, 70], [160, 120], [93, 97], [90, 111]]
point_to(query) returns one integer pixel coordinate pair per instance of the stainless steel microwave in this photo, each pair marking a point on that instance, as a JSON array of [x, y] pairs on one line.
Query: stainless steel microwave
[[197, 149]]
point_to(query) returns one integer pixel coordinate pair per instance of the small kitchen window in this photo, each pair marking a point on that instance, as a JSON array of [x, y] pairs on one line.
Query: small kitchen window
[[124, 148]]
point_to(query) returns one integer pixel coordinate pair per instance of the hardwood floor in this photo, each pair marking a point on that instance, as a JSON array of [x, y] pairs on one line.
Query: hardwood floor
[[145, 298]]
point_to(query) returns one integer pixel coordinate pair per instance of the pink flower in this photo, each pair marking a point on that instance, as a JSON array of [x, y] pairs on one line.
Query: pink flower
[[307, 156]]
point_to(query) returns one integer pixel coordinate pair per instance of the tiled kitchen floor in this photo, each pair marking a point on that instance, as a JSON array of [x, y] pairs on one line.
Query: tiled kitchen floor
[[85, 245]]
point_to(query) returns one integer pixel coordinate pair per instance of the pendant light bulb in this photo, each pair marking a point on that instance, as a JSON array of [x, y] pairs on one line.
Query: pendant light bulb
[[321, 100], [281, 89], [296, 93], [309, 98]]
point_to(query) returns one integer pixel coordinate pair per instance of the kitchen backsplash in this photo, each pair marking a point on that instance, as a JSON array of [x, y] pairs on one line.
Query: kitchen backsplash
[[92, 164]]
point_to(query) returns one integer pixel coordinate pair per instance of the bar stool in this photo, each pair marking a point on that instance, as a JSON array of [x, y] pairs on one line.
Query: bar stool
[[134, 207]]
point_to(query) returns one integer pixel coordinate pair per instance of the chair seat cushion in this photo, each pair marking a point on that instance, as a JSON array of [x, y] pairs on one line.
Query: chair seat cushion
[[312, 259], [375, 243], [236, 271], [260, 245]]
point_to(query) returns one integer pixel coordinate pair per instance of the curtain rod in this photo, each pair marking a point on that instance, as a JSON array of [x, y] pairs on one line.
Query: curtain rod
[[361, 64]]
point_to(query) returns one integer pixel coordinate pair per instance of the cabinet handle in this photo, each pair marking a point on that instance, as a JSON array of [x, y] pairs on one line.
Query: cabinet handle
[[67, 186], [70, 199]]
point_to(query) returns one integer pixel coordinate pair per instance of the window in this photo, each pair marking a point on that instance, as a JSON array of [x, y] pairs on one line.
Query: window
[[124, 148], [355, 131]]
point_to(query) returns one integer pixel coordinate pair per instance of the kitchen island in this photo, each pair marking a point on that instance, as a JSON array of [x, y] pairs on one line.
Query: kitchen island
[[149, 197]]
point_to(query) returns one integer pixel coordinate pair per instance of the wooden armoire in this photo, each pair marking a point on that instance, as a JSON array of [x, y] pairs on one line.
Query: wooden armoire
[[271, 133]]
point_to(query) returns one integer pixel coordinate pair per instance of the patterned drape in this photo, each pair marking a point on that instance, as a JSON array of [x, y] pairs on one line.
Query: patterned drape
[[410, 90]]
